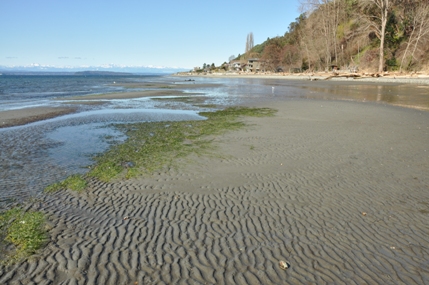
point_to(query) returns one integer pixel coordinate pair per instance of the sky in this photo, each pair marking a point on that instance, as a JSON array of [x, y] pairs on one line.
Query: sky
[[167, 33]]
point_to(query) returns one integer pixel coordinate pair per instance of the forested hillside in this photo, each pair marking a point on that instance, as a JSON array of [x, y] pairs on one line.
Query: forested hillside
[[372, 35]]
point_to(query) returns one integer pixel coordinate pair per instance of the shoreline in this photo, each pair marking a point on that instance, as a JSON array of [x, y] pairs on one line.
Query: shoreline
[[24, 116], [388, 78], [337, 191]]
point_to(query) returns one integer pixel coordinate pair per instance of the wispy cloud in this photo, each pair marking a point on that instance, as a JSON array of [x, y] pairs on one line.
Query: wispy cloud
[[68, 57], [11, 57]]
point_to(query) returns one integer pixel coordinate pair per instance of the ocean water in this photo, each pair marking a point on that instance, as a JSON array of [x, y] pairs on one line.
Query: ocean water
[[22, 91]]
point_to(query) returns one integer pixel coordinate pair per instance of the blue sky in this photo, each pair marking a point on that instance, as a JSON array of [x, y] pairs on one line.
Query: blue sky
[[135, 33]]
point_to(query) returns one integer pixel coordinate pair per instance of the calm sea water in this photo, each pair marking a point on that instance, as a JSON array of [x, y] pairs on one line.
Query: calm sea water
[[22, 91]]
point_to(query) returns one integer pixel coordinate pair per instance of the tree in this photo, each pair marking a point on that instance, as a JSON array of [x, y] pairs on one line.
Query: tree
[[325, 15], [376, 14], [419, 26], [291, 55], [273, 54], [371, 34], [231, 58], [249, 42]]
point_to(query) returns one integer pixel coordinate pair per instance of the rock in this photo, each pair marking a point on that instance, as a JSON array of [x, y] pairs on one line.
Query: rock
[[128, 164], [283, 265]]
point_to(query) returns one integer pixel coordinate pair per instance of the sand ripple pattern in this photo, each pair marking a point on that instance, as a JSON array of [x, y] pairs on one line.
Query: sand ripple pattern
[[343, 201]]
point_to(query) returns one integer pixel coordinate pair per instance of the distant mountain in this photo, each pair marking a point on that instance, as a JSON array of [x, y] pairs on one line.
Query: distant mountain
[[103, 68], [104, 73]]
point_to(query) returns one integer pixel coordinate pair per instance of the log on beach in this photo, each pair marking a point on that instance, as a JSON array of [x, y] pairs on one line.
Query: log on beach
[[343, 76]]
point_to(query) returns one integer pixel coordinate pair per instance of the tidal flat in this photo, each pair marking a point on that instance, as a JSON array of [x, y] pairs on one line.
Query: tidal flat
[[334, 186]]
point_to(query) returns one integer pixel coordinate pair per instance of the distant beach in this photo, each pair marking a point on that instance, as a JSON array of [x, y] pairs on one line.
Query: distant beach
[[414, 78], [334, 185]]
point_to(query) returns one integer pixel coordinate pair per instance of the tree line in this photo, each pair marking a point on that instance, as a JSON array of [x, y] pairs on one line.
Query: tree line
[[381, 35]]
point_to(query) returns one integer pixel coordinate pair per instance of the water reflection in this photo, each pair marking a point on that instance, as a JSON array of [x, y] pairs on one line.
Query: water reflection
[[405, 95], [260, 89], [75, 145]]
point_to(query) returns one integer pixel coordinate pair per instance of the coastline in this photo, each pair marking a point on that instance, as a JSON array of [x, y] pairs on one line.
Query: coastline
[[336, 189], [28, 115], [386, 78]]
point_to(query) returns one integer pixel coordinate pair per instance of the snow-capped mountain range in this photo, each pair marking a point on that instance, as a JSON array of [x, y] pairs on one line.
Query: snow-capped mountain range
[[35, 67]]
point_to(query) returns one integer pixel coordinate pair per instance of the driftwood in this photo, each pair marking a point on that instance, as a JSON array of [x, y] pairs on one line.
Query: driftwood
[[374, 75], [344, 75]]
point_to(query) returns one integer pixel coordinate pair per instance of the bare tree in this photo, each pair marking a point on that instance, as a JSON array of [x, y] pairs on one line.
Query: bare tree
[[326, 17], [305, 36], [272, 55], [377, 21], [420, 29], [249, 42]]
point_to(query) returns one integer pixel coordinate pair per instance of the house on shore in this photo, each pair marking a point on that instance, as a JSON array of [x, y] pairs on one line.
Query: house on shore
[[251, 65], [255, 65], [236, 65]]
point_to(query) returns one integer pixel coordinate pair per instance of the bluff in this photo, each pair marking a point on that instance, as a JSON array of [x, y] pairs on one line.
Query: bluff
[[390, 35]]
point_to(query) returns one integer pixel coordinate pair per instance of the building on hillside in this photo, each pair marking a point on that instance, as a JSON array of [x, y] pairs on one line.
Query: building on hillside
[[255, 65], [235, 65]]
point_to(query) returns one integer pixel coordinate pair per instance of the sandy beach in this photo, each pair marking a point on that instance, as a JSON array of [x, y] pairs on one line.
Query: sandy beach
[[422, 78], [338, 190]]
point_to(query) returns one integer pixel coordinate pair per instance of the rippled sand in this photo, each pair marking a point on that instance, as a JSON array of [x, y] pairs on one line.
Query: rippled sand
[[339, 190]]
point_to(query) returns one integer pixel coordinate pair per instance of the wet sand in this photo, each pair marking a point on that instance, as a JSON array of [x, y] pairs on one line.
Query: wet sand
[[29, 115], [24, 116], [339, 190], [172, 89], [127, 95]]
